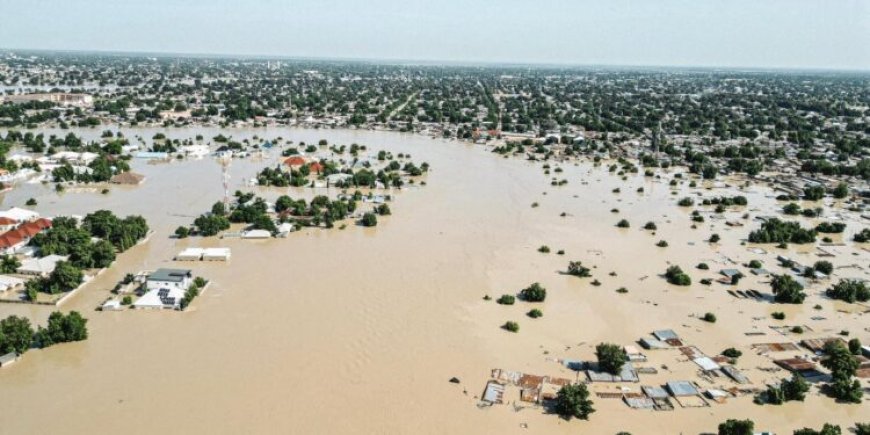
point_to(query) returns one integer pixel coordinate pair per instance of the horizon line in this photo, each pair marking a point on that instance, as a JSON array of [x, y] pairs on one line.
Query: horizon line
[[425, 62]]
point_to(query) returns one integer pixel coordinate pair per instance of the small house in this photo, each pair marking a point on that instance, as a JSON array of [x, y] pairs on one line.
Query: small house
[[41, 266]]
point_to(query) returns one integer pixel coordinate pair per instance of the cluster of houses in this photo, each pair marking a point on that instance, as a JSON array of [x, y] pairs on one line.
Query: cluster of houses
[[19, 226], [721, 378]]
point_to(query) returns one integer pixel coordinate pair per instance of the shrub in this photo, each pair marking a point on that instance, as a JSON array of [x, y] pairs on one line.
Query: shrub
[[511, 326], [676, 276], [732, 353], [755, 264], [182, 232], [686, 202], [703, 266], [863, 236], [662, 244], [506, 300], [709, 317], [824, 267], [30, 202], [797, 330], [714, 238], [535, 313], [534, 293], [544, 249], [622, 290], [849, 291], [778, 315], [831, 227], [369, 220], [650, 226], [576, 268], [623, 224]]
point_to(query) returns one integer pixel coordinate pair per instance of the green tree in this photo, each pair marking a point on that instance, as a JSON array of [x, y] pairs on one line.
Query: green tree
[[843, 366], [572, 401], [850, 291], [534, 293], [736, 427], [369, 220], [611, 357], [786, 290], [16, 335], [9, 264], [827, 429], [62, 329]]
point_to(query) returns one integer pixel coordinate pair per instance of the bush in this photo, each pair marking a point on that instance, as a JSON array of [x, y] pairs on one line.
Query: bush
[[830, 227], [623, 224], [650, 226], [797, 330], [703, 266], [576, 268], [849, 291], [369, 220], [737, 427], [126, 300], [778, 315], [863, 236], [686, 202], [182, 232], [511, 326], [662, 244], [732, 353], [534, 293], [30, 202], [676, 276], [535, 313], [755, 264], [855, 346], [506, 300], [714, 238], [709, 317], [544, 249], [824, 267]]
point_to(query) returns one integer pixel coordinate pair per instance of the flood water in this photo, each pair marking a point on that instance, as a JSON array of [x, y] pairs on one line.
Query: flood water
[[359, 330]]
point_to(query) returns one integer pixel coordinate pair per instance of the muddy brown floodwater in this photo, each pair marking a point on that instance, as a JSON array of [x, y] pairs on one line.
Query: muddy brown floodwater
[[359, 330]]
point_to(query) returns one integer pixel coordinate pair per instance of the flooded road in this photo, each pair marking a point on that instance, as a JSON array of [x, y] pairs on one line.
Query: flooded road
[[359, 330]]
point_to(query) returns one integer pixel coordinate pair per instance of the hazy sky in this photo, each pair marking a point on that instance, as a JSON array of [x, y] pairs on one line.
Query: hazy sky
[[753, 33]]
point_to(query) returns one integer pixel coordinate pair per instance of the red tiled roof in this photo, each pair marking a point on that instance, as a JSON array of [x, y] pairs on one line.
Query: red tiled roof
[[10, 238], [43, 223], [294, 161], [29, 229], [316, 167], [7, 221]]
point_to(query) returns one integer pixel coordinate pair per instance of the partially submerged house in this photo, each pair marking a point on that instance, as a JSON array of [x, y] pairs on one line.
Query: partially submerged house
[[41, 266]]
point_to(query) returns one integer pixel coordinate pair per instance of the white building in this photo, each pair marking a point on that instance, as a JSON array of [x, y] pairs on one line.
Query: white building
[[169, 279], [166, 288], [41, 266], [19, 214]]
